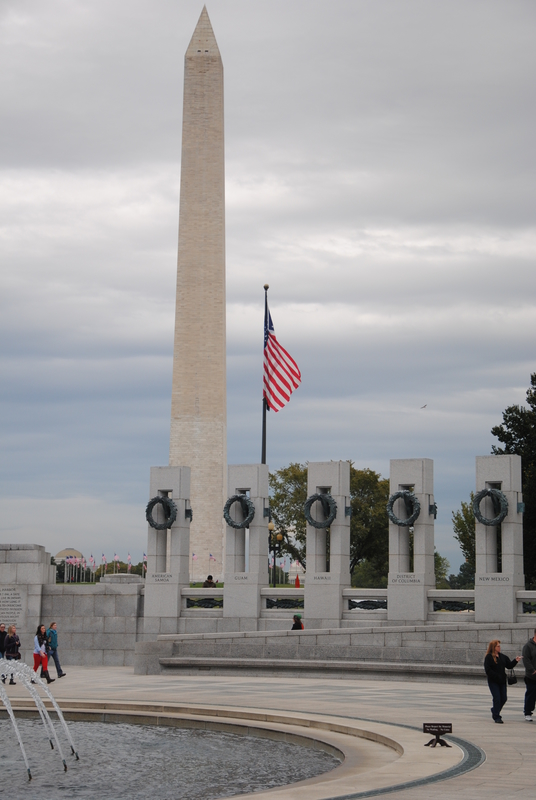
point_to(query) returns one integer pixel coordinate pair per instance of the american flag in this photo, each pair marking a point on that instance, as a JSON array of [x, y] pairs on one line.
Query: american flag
[[281, 373], [211, 557]]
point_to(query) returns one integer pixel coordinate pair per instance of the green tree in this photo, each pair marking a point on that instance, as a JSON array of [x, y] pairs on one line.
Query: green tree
[[441, 567], [463, 523], [465, 579], [518, 436], [369, 540], [288, 494], [369, 524]]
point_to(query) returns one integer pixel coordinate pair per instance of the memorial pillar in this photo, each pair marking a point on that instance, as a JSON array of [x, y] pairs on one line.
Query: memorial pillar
[[246, 546], [327, 546], [411, 539], [24, 570], [168, 551], [498, 510]]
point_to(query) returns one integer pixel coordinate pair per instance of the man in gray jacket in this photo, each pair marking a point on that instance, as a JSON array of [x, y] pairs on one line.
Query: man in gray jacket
[[529, 662]]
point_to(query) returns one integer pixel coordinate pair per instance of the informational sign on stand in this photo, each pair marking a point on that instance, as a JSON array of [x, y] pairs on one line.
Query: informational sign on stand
[[438, 729]]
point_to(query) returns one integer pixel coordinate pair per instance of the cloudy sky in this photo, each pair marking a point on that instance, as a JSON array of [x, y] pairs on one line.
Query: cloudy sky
[[380, 177]]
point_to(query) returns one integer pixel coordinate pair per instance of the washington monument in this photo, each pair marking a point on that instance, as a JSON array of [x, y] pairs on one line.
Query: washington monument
[[199, 408]]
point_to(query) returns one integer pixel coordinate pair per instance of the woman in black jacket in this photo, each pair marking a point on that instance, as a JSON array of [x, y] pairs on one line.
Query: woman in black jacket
[[12, 644], [496, 664]]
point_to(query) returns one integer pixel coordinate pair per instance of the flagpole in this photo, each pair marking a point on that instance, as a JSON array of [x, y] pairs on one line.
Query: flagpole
[[264, 403]]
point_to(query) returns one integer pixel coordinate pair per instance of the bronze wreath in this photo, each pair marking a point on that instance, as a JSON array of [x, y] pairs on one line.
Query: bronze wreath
[[413, 508], [248, 510], [170, 511], [500, 506], [329, 507]]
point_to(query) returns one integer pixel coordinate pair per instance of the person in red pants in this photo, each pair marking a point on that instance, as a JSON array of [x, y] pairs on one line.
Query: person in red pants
[[40, 652]]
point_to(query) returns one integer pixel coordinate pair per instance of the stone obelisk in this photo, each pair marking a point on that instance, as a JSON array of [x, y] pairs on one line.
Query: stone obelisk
[[198, 408]]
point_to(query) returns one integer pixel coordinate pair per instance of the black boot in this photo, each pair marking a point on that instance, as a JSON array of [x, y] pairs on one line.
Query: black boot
[[11, 681], [47, 676]]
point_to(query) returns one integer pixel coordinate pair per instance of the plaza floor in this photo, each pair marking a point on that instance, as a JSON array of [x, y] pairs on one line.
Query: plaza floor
[[509, 748]]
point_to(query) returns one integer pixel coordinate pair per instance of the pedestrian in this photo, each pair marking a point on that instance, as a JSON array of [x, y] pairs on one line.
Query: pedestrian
[[529, 662], [3, 634], [209, 583], [52, 639], [298, 624], [12, 644], [40, 652], [496, 664]]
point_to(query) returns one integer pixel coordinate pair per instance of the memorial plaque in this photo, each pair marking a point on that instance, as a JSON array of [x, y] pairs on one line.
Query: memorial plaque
[[13, 605]]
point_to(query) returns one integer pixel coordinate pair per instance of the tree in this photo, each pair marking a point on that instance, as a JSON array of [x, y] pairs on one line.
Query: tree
[[465, 579], [518, 435], [463, 523], [441, 568], [289, 493], [369, 540], [369, 524]]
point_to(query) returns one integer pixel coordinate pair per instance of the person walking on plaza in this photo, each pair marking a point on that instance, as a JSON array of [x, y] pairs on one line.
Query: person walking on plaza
[[529, 662], [52, 638], [40, 652], [496, 664], [3, 634]]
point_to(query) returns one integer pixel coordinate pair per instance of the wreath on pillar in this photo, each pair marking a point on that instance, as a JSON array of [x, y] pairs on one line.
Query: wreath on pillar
[[248, 510], [170, 512], [413, 508], [329, 507], [500, 506]]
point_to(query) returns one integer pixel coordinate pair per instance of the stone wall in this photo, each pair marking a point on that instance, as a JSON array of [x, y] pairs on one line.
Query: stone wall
[[24, 570], [98, 624], [437, 644]]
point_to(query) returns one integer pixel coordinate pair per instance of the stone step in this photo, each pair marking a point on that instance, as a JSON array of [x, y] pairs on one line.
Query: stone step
[[381, 670], [454, 653]]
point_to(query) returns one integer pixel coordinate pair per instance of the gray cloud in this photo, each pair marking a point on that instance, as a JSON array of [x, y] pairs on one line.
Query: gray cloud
[[380, 176]]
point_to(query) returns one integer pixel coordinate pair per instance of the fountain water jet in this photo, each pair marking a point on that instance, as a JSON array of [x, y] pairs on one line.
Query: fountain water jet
[[7, 704], [30, 680]]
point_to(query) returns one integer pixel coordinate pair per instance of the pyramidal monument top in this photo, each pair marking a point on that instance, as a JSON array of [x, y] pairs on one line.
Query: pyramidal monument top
[[203, 41]]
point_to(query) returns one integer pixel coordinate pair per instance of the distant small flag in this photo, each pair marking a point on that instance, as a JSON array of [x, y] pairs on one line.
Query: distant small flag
[[211, 557], [281, 373], [116, 557], [194, 557], [145, 557]]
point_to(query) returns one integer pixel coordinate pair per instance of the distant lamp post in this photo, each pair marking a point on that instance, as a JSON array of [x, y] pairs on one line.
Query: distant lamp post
[[275, 540]]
